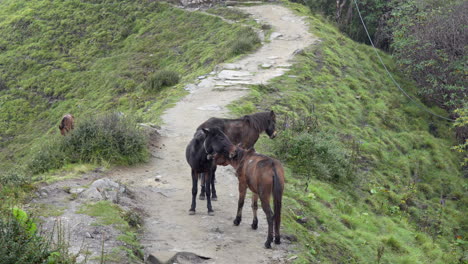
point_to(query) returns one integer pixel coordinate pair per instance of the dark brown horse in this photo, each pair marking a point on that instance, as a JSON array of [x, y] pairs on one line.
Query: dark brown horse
[[264, 176], [200, 155], [244, 131], [67, 124]]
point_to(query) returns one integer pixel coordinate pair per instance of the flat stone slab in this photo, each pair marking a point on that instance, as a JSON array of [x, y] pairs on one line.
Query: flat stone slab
[[232, 66], [230, 74], [168, 257]]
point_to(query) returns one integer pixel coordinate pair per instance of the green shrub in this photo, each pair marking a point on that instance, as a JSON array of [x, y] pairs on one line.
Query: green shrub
[[19, 242], [13, 177], [163, 78], [247, 41], [109, 137], [50, 154], [315, 153]]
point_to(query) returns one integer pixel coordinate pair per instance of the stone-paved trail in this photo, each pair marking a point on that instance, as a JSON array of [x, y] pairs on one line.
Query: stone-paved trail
[[168, 227]]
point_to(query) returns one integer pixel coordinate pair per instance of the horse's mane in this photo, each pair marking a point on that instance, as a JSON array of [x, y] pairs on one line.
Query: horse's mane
[[258, 121]]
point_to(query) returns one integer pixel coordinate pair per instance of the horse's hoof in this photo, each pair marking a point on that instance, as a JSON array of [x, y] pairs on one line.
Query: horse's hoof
[[211, 213], [267, 244], [202, 197], [254, 226], [214, 199], [191, 212], [237, 221], [277, 240]]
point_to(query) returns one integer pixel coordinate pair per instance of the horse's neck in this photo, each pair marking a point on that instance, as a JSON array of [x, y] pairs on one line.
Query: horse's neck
[[244, 154]]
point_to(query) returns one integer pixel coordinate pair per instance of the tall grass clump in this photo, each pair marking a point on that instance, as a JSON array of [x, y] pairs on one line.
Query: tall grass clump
[[110, 137], [247, 41], [163, 78]]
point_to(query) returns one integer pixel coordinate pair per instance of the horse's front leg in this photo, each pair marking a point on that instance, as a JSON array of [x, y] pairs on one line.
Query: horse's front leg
[[194, 192], [202, 183], [208, 178], [240, 204], [214, 197]]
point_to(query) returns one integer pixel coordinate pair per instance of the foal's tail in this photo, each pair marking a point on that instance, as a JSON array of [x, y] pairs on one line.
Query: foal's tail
[[277, 196]]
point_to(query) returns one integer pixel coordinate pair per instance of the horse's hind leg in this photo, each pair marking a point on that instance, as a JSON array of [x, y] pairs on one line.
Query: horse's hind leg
[[254, 210], [202, 182], [269, 216], [194, 192], [240, 204], [214, 197]]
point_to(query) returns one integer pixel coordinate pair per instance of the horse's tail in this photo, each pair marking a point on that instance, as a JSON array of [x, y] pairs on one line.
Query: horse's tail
[[277, 196]]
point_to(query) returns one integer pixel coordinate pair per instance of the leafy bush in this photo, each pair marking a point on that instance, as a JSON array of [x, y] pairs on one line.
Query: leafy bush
[[110, 137], [247, 41], [429, 40], [19, 242], [51, 154], [163, 78], [317, 153], [13, 177]]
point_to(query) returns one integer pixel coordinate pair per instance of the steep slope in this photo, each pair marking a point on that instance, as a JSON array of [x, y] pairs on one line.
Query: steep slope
[[87, 57], [372, 177]]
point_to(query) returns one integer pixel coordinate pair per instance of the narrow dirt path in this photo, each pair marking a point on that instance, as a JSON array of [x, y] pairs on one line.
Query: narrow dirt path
[[168, 227]]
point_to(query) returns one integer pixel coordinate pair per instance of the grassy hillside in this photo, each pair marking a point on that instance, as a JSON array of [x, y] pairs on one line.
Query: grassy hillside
[[89, 57], [371, 176]]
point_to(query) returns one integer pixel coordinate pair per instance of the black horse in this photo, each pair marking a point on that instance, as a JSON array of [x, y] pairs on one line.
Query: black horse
[[243, 132], [199, 154]]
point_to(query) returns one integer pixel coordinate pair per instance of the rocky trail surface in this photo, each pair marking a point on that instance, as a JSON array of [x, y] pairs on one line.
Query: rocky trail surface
[[162, 187]]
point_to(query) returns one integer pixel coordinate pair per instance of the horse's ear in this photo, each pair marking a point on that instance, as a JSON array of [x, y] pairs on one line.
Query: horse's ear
[[272, 113]]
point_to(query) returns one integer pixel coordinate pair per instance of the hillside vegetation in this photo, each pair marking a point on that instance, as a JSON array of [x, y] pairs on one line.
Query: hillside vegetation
[[90, 57], [371, 177]]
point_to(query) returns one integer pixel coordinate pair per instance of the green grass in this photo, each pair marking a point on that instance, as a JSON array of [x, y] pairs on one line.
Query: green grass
[[367, 167], [89, 57]]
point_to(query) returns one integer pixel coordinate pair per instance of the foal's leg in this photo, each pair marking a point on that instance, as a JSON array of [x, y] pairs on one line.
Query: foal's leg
[[194, 192], [254, 210], [269, 215], [240, 204], [202, 183], [213, 190]]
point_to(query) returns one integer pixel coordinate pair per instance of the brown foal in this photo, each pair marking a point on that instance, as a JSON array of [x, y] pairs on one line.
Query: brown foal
[[264, 176]]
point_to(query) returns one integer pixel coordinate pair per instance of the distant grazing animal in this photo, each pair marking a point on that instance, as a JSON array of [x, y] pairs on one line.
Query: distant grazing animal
[[244, 131], [199, 154], [67, 124], [264, 176]]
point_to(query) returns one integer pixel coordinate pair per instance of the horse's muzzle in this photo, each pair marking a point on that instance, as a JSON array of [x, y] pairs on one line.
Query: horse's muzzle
[[232, 152], [273, 135]]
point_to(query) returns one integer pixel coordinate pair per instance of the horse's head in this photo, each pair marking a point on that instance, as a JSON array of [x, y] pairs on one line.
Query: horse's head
[[271, 129], [217, 143]]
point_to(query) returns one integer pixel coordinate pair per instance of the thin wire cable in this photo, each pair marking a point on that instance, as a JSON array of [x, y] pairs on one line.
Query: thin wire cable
[[390, 75]]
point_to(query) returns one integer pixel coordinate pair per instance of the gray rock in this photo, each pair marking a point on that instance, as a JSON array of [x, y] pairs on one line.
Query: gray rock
[[104, 189], [76, 190], [275, 35], [299, 52]]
